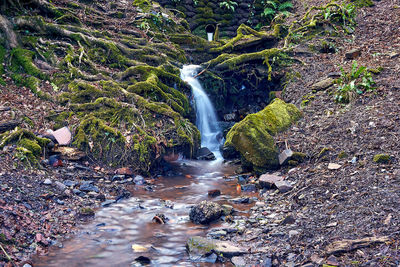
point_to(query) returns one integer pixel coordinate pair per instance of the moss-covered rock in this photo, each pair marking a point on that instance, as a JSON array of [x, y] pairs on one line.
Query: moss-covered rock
[[253, 136]]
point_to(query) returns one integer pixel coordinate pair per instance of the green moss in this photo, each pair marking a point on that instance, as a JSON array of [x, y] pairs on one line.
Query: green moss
[[3, 52], [382, 158], [342, 155], [22, 58], [299, 157], [363, 3], [86, 212], [14, 137], [323, 152], [31, 145], [376, 71], [253, 136]]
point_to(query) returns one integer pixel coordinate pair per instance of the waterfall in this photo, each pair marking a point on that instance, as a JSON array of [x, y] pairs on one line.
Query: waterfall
[[206, 118]]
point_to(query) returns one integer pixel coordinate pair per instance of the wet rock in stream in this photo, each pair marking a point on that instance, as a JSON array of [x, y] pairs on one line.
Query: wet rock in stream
[[205, 212]]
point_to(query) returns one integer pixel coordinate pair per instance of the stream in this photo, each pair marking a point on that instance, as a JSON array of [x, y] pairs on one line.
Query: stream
[[123, 232]]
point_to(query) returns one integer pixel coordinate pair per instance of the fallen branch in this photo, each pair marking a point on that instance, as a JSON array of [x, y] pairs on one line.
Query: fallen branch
[[347, 245], [8, 256]]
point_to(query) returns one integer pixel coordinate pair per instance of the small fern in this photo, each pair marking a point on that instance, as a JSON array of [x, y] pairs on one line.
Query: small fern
[[275, 8], [284, 6]]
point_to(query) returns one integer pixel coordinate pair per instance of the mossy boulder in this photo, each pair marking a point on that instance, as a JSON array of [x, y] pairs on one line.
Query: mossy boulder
[[253, 136]]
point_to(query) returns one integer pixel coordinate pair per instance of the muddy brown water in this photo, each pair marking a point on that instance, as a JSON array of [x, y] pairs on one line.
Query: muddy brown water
[[108, 239]]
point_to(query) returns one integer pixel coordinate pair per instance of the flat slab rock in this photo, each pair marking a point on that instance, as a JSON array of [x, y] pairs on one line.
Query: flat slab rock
[[200, 247], [268, 180]]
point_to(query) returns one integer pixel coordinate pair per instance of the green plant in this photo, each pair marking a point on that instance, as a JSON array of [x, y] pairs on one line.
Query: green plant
[[229, 5], [356, 82], [272, 8]]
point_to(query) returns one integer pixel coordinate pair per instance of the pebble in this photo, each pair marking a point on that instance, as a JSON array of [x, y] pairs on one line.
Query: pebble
[[88, 187], [334, 166], [70, 183], [293, 233], [47, 181], [60, 185]]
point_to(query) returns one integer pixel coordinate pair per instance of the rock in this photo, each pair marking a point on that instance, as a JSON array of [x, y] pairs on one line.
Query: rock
[[124, 171], [322, 85], [284, 156], [78, 192], [334, 166], [205, 154], [382, 158], [227, 209], [119, 177], [229, 153], [199, 247], [249, 187], [70, 153], [241, 200], [253, 136], [353, 53], [138, 180], [238, 261], [63, 136], [60, 186], [288, 220], [143, 260], [139, 248], [107, 203], [293, 233], [47, 181], [214, 193], [283, 186], [88, 187], [205, 212], [268, 180], [217, 233], [160, 218], [70, 183], [230, 117]]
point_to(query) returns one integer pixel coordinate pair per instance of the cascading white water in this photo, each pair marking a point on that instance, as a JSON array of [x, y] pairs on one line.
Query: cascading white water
[[206, 118], [210, 36]]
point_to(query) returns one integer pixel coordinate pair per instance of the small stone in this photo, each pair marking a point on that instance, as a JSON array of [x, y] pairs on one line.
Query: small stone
[[124, 171], [138, 180], [353, 53], [60, 186], [334, 166], [322, 85], [217, 233], [59, 202], [143, 260], [288, 220], [268, 180], [238, 261], [47, 181], [283, 186], [107, 203], [293, 233], [332, 260], [227, 209], [118, 177], [88, 187], [249, 187], [70, 183], [241, 200], [214, 193], [78, 192], [199, 247]]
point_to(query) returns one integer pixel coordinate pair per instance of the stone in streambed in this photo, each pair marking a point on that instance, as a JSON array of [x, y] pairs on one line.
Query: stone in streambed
[[214, 193], [205, 212], [205, 154], [283, 186], [199, 248], [253, 136]]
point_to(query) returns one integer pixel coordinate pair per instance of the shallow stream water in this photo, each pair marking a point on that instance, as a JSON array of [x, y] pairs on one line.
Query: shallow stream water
[[108, 239]]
